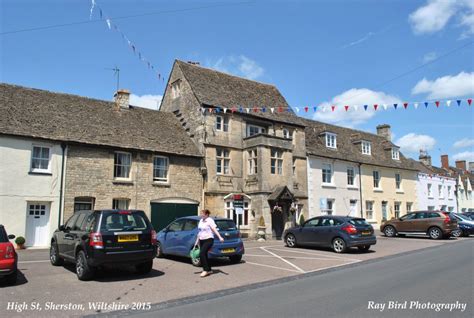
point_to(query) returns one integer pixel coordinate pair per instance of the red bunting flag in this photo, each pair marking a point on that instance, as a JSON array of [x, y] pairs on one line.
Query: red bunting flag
[[469, 101], [376, 106], [306, 109], [405, 105], [333, 107], [437, 103], [346, 107], [233, 110], [280, 109], [255, 110]]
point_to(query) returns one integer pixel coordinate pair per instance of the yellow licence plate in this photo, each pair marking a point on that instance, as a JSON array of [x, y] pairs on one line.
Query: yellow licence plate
[[127, 238], [228, 250], [365, 232]]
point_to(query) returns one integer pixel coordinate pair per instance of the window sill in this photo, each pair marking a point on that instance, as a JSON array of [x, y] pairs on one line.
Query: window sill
[[430, 197], [400, 191], [161, 184], [126, 182], [329, 185], [39, 173], [378, 190], [352, 188]]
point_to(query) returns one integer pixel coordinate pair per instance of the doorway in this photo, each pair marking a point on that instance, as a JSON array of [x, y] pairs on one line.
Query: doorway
[[37, 224]]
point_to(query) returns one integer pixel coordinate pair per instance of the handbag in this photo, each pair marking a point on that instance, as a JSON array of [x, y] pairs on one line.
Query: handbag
[[195, 252]]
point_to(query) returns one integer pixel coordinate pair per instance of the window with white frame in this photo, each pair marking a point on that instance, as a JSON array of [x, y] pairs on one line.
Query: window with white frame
[[327, 173], [240, 220], [395, 154], [330, 206], [450, 194], [396, 208], [286, 133], [122, 164], [431, 208], [440, 191], [83, 204], [255, 130], [222, 123], [350, 176], [176, 89], [366, 148], [121, 204], [222, 161], [369, 210], [40, 158], [331, 140], [409, 206], [430, 190], [160, 168], [376, 176], [276, 166], [252, 160], [398, 181]]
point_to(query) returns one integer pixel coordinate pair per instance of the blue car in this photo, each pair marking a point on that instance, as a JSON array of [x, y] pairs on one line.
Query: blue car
[[179, 236]]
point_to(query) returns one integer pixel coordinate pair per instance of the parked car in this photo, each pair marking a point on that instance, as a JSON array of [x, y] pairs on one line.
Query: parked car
[[94, 238], [435, 224], [179, 236], [8, 257], [338, 232], [469, 214], [465, 226]]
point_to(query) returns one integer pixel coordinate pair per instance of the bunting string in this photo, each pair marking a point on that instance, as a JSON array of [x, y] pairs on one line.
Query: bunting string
[[113, 26], [435, 104]]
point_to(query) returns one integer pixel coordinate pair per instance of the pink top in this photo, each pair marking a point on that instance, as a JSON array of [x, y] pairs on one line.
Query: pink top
[[205, 231]]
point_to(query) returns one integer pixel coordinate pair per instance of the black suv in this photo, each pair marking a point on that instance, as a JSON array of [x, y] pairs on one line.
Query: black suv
[[94, 238]]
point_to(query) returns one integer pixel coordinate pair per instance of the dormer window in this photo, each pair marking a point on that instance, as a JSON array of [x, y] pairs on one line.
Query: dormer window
[[366, 147], [286, 133], [331, 140], [255, 130], [395, 154], [176, 89]]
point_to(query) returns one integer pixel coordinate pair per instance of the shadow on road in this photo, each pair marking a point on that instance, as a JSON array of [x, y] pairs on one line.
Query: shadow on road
[[116, 273], [20, 280], [223, 261]]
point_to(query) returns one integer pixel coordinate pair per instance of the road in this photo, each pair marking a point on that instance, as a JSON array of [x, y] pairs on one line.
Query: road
[[438, 275]]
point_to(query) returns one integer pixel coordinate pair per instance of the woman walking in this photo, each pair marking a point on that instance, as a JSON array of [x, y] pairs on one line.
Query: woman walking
[[207, 230]]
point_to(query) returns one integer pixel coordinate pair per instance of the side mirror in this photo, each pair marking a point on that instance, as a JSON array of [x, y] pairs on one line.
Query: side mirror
[[62, 228], [11, 237]]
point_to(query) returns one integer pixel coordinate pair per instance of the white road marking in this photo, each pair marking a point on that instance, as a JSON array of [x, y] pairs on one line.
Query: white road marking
[[284, 260], [322, 268], [285, 269], [293, 257], [318, 254], [26, 262], [254, 247]]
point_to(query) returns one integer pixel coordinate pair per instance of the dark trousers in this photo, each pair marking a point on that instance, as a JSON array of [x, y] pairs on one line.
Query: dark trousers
[[205, 246]]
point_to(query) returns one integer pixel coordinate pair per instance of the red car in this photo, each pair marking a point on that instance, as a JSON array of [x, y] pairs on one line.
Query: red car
[[8, 257]]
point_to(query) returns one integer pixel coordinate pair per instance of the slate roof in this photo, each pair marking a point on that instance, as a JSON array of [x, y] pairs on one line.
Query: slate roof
[[349, 147], [54, 116], [217, 89]]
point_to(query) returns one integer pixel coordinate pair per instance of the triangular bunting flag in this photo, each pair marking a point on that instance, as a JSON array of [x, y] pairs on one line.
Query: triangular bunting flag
[[346, 107], [297, 109], [405, 105], [375, 106], [280, 109], [225, 110], [426, 104], [385, 106], [395, 106], [264, 109], [448, 103], [247, 110], [272, 109], [356, 107], [365, 107], [241, 109], [416, 105], [233, 110], [459, 102], [315, 108], [469, 101], [325, 108], [333, 107], [306, 109], [255, 109], [437, 103]]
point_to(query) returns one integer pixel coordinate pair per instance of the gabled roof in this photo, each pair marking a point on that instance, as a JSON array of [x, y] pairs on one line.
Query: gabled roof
[[349, 147], [47, 115], [217, 89]]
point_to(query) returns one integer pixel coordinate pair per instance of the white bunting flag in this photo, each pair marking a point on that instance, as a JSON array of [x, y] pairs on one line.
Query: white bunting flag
[[272, 110], [385, 106], [108, 23], [356, 107], [248, 110], [297, 109], [225, 110], [92, 9], [416, 105], [448, 103]]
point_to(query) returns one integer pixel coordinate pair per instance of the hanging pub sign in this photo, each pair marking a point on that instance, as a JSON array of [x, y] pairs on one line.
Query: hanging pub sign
[[238, 201]]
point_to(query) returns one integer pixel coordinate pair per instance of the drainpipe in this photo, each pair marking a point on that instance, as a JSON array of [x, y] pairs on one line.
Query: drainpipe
[[360, 191], [63, 147]]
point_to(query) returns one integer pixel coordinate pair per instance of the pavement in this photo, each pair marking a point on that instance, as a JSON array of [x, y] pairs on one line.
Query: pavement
[[57, 292]]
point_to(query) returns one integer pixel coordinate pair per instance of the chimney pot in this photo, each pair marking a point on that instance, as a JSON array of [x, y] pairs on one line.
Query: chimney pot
[[122, 99], [445, 161], [384, 131]]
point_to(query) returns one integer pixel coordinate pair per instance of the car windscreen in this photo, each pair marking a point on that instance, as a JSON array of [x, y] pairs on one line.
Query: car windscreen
[[123, 221], [3, 236], [463, 217], [225, 225], [358, 222]]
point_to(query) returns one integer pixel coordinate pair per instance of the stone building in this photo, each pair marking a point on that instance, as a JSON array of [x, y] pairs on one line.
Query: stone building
[[95, 155], [255, 161]]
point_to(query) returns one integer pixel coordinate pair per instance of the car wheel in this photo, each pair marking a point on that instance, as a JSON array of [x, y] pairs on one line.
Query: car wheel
[[54, 257], [338, 245], [11, 279], [290, 240], [435, 233], [144, 268], [196, 261], [159, 250], [457, 233], [389, 231], [364, 248], [83, 270], [235, 259]]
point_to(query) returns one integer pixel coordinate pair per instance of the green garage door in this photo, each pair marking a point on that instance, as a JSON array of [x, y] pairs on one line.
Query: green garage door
[[163, 214]]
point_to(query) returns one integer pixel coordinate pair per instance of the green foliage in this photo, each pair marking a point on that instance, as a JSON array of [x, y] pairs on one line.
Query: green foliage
[[301, 221], [20, 240]]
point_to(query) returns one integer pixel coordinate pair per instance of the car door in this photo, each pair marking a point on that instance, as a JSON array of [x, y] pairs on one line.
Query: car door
[[307, 233], [421, 222], [73, 236], [65, 237], [405, 223], [172, 236], [187, 237], [325, 231]]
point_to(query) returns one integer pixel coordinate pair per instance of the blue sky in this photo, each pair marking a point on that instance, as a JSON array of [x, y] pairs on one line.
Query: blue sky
[[315, 52]]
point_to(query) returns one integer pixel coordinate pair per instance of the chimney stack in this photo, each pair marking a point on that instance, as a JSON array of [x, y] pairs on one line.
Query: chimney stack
[[461, 164], [425, 158], [122, 99], [384, 131], [445, 161]]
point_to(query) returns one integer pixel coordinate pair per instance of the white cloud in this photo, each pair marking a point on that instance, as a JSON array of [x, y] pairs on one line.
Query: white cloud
[[446, 86], [352, 117], [239, 66], [146, 101], [464, 143], [466, 155], [436, 14], [428, 57], [413, 143]]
